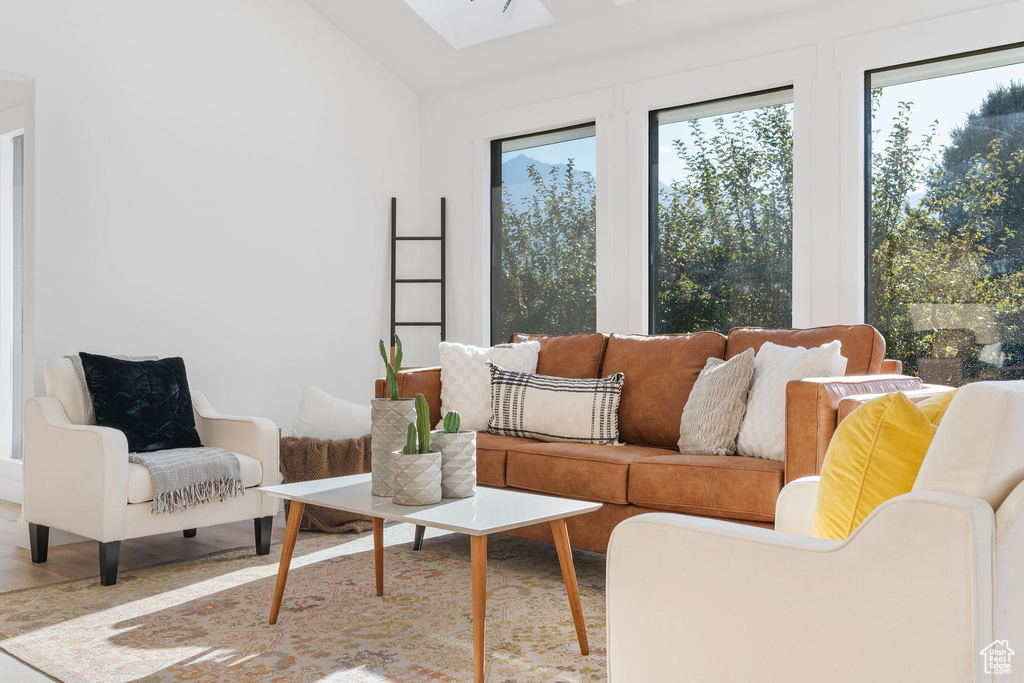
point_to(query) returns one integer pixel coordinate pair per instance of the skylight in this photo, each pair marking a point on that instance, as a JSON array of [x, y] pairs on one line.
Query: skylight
[[468, 22]]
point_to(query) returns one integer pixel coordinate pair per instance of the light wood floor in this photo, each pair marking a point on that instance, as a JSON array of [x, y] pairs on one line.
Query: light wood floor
[[81, 561]]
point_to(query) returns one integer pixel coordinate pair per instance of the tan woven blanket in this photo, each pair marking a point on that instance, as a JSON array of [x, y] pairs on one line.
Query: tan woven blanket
[[305, 458]]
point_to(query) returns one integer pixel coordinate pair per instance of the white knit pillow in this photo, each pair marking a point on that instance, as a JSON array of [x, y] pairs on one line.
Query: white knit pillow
[[763, 432], [466, 379]]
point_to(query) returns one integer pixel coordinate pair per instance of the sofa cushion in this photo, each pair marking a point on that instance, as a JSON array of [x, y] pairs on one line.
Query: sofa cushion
[[140, 484], [730, 486], [577, 470], [491, 452], [576, 356], [863, 345], [660, 371]]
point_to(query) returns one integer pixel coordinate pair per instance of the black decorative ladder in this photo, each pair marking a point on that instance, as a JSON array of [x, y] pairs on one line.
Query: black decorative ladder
[[395, 281], [441, 323]]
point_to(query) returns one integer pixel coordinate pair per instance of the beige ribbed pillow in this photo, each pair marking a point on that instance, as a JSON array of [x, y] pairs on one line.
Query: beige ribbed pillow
[[714, 412]]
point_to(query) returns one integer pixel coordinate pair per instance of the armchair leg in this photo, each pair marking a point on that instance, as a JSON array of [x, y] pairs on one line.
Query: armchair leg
[[39, 541], [188, 533], [110, 553], [263, 527], [418, 540]]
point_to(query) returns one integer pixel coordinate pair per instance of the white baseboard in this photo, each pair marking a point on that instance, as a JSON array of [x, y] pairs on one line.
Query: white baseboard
[[57, 537], [11, 488]]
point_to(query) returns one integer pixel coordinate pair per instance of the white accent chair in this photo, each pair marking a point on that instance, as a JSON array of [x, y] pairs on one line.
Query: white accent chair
[[78, 478], [928, 581]]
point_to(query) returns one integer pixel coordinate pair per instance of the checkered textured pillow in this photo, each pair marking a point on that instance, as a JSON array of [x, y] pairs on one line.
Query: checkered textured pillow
[[466, 381], [555, 408]]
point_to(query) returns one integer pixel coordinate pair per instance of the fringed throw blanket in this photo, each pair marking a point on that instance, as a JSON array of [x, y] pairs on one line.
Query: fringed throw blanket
[[186, 477]]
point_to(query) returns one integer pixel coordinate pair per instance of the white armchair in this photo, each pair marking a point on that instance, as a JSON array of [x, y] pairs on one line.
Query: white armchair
[[916, 593], [78, 478]]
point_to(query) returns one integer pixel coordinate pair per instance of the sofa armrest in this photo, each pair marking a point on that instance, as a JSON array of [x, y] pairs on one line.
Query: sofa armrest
[[76, 476], [256, 437], [426, 381], [795, 506], [851, 403], [812, 414], [890, 366]]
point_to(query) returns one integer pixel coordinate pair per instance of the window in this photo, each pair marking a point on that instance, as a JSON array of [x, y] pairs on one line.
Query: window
[[945, 216], [544, 233], [12, 154], [721, 225]]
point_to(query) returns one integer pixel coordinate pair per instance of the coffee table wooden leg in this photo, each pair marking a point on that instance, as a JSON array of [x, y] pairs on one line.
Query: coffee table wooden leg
[[378, 553], [295, 509], [478, 561], [561, 535]]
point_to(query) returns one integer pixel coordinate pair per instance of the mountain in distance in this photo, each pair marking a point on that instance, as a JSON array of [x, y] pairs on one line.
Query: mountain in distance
[[516, 178]]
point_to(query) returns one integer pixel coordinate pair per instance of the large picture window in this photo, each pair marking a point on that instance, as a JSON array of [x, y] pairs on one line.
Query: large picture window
[[945, 216], [543, 233], [721, 219]]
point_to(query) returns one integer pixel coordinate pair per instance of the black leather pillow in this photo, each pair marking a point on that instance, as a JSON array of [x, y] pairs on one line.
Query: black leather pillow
[[148, 400]]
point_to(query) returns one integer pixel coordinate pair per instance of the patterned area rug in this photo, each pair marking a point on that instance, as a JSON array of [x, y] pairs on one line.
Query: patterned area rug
[[205, 621]]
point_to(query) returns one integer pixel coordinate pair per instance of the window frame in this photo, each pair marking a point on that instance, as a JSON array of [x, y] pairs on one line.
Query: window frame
[[653, 180], [495, 212]]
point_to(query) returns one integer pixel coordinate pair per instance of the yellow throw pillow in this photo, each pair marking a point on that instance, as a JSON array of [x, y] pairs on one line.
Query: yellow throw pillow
[[874, 455], [935, 407]]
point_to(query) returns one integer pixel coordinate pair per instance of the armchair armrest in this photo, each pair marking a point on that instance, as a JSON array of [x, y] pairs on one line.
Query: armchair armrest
[[795, 506], [907, 597], [811, 414], [76, 476], [256, 437], [426, 381]]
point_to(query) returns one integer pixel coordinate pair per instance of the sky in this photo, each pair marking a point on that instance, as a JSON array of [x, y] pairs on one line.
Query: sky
[[582, 151]]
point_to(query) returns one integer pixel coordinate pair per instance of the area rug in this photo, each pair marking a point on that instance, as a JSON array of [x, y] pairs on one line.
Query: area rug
[[205, 621]]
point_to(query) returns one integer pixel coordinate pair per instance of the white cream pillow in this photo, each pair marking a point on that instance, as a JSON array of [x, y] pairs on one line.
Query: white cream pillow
[[466, 379], [323, 416], [763, 432]]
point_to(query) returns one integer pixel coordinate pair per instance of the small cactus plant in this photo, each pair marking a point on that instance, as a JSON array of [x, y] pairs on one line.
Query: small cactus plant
[[452, 422], [392, 370], [410, 440], [423, 422], [417, 437]]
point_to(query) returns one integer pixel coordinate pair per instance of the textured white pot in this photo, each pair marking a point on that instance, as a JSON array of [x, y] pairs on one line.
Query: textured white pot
[[417, 478], [389, 421], [458, 462]]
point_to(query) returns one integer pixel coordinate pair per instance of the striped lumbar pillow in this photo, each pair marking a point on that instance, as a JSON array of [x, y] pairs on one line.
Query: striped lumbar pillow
[[554, 408]]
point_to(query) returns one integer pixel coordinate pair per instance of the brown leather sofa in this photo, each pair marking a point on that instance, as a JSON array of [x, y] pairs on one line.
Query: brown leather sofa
[[649, 474]]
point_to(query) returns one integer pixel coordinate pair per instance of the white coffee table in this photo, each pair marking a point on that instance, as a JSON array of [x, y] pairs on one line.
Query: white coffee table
[[489, 511]]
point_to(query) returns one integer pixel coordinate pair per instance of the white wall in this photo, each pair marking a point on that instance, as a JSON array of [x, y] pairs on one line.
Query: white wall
[[822, 51], [212, 181]]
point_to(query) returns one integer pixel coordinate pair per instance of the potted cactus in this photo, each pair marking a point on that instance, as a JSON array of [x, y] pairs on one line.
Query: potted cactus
[[458, 457], [388, 419], [416, 469]]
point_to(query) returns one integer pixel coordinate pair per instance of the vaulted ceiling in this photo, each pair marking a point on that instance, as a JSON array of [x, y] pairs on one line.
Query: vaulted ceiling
[[406, 35]]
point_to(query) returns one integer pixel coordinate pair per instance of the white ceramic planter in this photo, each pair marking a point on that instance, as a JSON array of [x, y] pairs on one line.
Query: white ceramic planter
[[417, 478], [458, 462], [389, 422]]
